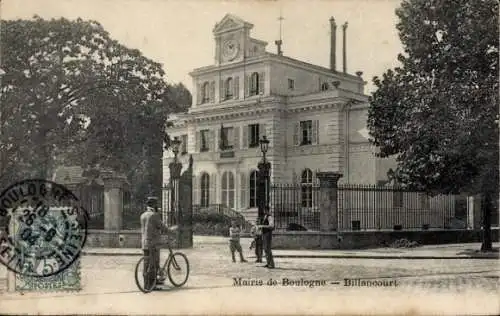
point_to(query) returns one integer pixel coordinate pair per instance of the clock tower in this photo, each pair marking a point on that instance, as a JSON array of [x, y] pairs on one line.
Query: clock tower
[[232, 40]]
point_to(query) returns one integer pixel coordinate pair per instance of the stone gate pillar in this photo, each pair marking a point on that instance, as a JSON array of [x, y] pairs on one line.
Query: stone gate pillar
[[328, 182], [113, 199]]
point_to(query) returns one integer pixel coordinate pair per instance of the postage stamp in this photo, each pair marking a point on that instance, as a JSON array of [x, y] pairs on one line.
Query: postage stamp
[[68, 279], [309, 157], [45, 230]]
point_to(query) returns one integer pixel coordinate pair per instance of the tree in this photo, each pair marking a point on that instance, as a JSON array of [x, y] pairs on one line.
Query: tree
[[72, 94], [438, 112], [180, 96]]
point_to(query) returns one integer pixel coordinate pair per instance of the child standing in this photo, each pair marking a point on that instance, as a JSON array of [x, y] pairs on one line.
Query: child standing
[[234, 241], [257, 241]]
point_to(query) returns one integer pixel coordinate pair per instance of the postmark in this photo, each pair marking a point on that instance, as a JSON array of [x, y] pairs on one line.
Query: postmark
[[45, 228]]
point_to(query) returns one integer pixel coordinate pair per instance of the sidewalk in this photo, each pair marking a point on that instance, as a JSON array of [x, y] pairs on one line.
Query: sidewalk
[[448, 251]]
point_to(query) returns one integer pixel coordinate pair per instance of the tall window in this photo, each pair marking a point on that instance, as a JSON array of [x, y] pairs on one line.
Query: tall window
[[184, 144], [204, 140], [229, 88], [254, 84], [205, 96], [205, 189], [228, 190], [227, 138], [253, 136], [253, 188], [306, 186], [291, 84], [324, 86], [306, 132]]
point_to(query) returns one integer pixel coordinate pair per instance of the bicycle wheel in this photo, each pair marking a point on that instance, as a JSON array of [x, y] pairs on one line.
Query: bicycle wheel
[[178, 269], [140, 278]]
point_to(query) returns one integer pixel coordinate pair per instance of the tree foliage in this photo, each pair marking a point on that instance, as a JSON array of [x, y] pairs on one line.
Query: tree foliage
[[438, 112], [71, 94]]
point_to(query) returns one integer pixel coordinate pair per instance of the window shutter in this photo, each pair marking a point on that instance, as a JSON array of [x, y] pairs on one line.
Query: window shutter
[[197, 140], [236, 87], [212, 92], [196, 189], [218, 140], [243, 191], [247, 85], [261, 82], [222, 96], [213, 189], [211, 140], [198, 94], [236, 137], [314, 132], [244, 138], [296, 134]]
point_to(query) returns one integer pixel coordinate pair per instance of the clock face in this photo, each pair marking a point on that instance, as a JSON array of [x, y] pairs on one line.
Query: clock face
[[230, 49]]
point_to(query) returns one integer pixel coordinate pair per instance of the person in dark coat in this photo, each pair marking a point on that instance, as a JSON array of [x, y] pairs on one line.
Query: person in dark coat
[[267, 227]]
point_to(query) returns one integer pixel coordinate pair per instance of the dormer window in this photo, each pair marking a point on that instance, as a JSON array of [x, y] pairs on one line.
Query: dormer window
[[229, 88], [205, 96], [254, 84]]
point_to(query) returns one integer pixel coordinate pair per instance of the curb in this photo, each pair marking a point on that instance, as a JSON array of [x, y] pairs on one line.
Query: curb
[[118, 254]]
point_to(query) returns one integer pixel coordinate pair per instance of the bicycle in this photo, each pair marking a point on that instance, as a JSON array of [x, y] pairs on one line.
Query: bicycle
[[173, 265]]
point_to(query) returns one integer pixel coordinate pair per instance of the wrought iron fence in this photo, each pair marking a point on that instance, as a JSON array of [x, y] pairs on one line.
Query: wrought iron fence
[[363, 207], [370, 207], [295, 206], [170, 206]]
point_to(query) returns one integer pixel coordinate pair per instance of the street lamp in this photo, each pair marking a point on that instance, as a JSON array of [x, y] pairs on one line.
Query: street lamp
[[176, 143], [264, 146], [264, 167]]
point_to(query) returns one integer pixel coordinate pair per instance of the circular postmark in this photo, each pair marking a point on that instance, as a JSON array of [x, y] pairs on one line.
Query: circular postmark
[[44, 228]]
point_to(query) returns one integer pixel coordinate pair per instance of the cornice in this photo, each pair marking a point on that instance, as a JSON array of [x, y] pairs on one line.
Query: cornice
[[260, 107], [197, 72]]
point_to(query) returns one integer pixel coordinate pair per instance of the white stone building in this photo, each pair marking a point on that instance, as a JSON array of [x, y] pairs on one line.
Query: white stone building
[[314, 117]]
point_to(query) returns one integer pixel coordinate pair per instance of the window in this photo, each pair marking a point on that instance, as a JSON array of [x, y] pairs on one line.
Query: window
[[253, 137], [229, 88], [227, 189], [184, 144], [306, 182], [324, 86], [291, 84], [254, 84], [306, 132], [205, 96], [253, 188], [204, 134], [227, 138], [205, 189]]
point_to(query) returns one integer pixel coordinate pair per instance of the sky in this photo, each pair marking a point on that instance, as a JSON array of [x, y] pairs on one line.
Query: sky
[[178, 33]]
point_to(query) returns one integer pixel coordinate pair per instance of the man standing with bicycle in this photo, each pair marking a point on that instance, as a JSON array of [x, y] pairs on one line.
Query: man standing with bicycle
[[151, 229]]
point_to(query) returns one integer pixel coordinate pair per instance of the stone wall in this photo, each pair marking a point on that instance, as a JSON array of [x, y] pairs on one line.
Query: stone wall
[[312, 240], [363, 240]]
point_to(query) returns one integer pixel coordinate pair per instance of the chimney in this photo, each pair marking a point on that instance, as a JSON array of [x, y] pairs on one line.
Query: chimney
[[333, 44], [278, 45], [344, 55]]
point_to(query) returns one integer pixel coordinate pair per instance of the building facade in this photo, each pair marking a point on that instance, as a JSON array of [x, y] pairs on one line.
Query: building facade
[[315, 118]]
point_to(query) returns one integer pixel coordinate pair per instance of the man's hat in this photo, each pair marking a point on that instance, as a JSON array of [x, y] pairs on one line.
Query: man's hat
[[151, 200]]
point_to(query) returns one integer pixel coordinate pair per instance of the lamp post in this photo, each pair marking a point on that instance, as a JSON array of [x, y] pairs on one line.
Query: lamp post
[[175, 168], [264, 167]]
